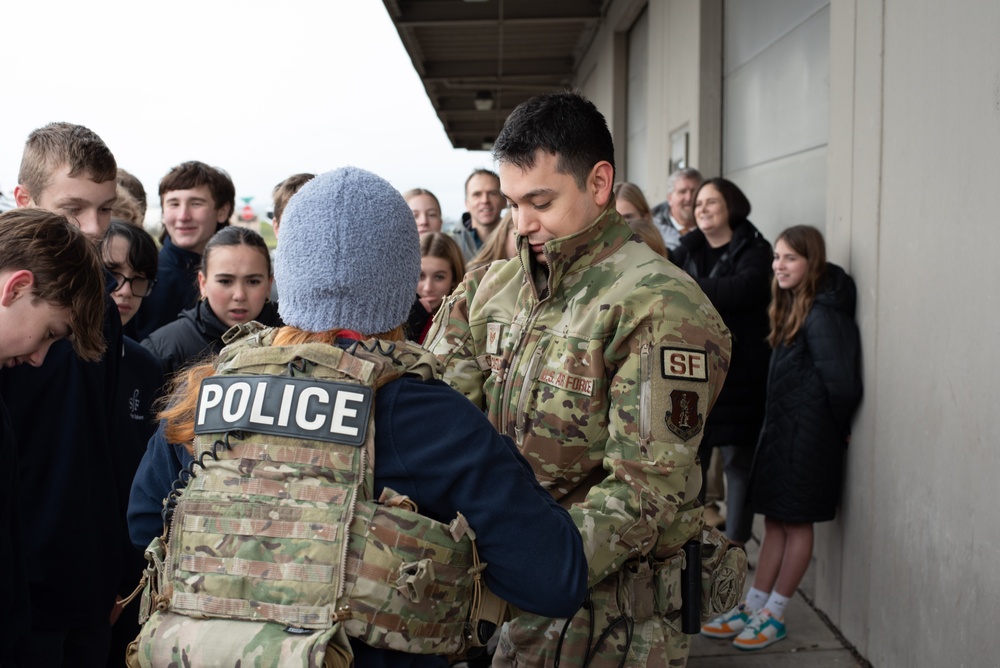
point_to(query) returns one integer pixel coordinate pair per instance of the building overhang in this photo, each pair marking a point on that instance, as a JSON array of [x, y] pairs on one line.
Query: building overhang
[[478, 59]]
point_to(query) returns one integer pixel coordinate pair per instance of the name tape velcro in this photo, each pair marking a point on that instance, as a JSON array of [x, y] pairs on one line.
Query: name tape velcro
[[309, 408]]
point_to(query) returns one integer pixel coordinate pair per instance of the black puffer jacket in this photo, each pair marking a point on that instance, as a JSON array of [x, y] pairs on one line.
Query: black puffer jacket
[[196, 334], [813, 390], [739, 286]]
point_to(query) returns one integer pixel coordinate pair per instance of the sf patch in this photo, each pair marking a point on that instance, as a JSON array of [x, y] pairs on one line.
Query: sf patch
[[683, 417], [684, 364]]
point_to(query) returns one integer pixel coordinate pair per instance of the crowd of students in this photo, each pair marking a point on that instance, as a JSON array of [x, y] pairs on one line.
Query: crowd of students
[[792, 388]]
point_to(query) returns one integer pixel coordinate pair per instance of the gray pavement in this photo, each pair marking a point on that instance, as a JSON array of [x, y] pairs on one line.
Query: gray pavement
[[810, 641]]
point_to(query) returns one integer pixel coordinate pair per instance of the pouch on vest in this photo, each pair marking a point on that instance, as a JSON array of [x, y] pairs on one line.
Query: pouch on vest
[[723, 574]]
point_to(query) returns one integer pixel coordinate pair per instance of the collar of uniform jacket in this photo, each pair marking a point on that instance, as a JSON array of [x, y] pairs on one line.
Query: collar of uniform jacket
[[579, 251]]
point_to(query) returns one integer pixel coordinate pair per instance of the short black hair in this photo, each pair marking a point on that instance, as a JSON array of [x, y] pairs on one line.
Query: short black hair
[[566, 125], [736, 202], [142, 253]]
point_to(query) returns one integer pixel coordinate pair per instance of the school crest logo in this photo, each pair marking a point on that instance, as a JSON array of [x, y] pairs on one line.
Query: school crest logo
[[683, 417]]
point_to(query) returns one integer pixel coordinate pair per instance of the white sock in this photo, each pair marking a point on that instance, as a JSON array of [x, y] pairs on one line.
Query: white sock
[[777, 603], [756, 599]]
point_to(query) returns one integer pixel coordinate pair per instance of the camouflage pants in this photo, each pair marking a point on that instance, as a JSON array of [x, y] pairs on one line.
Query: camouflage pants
[[619, 609]]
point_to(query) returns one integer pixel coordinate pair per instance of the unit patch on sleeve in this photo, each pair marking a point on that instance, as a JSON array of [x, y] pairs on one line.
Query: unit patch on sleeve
[[298, 407], [683, 417], [684, 364]]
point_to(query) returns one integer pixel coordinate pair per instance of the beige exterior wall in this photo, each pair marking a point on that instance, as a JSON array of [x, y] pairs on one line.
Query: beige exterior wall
[[684, 86], [908, 571]]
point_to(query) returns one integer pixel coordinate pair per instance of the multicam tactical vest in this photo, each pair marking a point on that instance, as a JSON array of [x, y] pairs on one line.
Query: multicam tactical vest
[[276, 547]]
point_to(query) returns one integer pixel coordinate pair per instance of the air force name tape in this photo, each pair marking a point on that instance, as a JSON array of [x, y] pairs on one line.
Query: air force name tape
[[296, 407]]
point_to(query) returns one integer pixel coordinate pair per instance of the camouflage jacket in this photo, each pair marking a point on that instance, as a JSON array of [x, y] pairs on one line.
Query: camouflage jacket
[[603, 372]]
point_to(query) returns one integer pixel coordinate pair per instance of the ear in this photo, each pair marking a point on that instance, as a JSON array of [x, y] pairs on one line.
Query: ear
[[201, 285], [17, 284], [224, 213], [22, 197], [600, 182]]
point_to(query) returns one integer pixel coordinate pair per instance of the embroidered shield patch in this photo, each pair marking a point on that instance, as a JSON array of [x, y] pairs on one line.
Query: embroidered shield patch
[[493, 332], [683, 417]]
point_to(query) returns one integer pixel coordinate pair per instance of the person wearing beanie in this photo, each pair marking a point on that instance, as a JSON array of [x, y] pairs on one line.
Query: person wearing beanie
[[348, 264]]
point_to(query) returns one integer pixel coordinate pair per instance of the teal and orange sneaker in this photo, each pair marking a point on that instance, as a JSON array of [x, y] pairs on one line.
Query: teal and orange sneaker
[[764, 629], [728, 624]]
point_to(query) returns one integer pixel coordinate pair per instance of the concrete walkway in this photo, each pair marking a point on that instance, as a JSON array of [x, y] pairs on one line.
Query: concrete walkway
[[810, 641]]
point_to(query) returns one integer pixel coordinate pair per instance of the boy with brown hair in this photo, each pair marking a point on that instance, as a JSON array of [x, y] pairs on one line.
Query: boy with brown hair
[[196, 200], [62, 416], [67, 169], [50, 288]]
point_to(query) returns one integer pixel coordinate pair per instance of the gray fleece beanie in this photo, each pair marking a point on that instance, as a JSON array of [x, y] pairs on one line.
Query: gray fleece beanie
[[348, 255]]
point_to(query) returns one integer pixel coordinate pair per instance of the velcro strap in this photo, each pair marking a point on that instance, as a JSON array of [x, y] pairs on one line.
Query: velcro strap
[[285, 454], [260, 527], [263, 570], [272, 488], [302, 616], [460, 527], [320, 354]]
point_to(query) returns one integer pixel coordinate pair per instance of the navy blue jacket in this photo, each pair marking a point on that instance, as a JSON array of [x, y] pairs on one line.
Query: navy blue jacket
[[14, 604], [176, 289], [71, 511], [813, 390], [434, 446]]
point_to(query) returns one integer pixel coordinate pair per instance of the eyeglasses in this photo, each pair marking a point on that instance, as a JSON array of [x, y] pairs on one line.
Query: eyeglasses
[[141, 286]]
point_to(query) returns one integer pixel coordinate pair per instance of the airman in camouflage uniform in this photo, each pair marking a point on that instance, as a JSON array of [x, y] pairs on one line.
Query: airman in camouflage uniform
[[602, 360]]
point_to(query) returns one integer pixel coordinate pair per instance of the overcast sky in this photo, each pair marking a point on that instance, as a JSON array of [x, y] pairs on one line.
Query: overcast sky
[[260, 88]]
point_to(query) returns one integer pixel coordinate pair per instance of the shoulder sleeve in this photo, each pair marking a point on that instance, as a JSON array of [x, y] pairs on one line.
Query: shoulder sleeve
[[157, 471], [443, 448], [669, 372]]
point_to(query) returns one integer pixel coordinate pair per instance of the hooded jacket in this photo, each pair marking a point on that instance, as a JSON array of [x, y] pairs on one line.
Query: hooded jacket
[[739, 286], [176, 289], [196, 333], [813, 391]]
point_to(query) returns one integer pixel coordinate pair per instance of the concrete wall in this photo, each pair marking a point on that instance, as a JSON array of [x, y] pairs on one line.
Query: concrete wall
[[684, 82], [908, 571], [914, 164]]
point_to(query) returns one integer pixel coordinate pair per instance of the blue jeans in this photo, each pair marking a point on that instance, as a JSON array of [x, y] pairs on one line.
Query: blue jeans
[[737, 460]]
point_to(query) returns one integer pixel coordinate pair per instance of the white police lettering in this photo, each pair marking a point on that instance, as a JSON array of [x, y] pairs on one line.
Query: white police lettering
[[258, 403], [301, 417], [684, 364], [296, 407]]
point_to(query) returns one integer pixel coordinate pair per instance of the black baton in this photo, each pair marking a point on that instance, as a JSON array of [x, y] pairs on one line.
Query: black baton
[[691, 588]]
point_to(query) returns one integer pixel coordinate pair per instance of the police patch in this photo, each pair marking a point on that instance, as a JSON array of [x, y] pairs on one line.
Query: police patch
[[683, 417], [684, 364], [296, 407]]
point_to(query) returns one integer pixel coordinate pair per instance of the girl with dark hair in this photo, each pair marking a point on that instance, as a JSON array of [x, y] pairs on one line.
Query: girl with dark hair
[[130, 257], [235, 282], [813, 390]]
